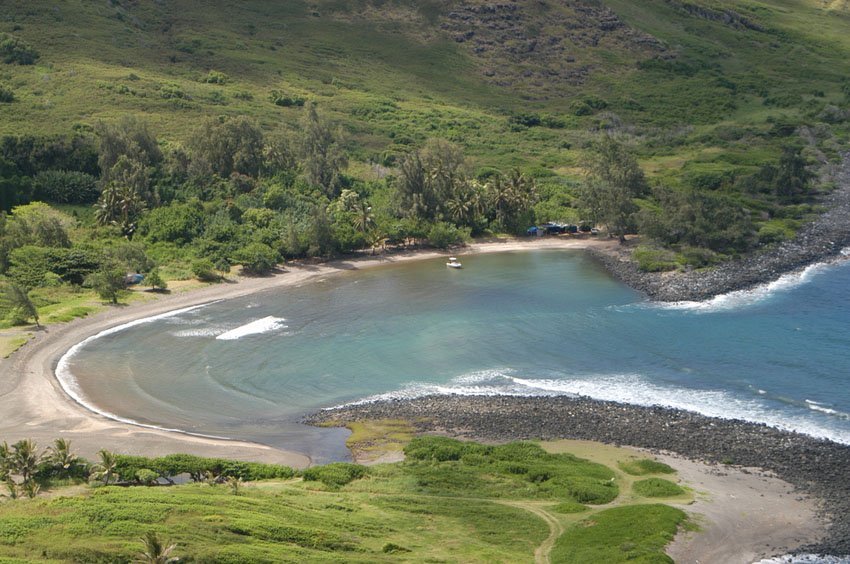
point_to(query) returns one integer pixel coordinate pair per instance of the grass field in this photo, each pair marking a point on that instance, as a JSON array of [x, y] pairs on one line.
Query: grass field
[[479, 508]]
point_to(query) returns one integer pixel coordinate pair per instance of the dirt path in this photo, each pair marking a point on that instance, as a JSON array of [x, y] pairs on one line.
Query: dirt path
[[556, 528]]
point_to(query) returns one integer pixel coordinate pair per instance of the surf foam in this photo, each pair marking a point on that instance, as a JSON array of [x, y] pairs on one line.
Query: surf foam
[[753, 296], [264, 325]]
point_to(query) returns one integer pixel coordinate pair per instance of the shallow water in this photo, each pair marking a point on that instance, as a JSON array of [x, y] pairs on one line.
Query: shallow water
[[542, 322]]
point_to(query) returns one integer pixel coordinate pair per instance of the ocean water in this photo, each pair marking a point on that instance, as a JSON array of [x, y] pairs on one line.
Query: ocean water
[[530, 323]]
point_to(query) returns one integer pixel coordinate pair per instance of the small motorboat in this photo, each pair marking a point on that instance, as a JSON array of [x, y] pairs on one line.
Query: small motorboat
[[453, 263]]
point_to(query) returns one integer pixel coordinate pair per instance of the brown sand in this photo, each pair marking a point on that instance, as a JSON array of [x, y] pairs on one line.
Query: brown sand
[[743, 515]]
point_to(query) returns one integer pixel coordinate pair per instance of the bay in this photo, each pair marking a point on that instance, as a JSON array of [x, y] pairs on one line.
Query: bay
[[531, 323]]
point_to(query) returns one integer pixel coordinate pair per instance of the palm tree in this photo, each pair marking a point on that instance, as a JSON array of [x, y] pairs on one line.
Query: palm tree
[[31, 488], [5, 460], [61, 455], [156, 552], [25, 459], [11, 487], [363, 218], [105, 469]]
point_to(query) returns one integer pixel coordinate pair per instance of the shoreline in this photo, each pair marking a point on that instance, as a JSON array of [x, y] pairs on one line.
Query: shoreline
[[36, 405], [814, 467], [822, 240]]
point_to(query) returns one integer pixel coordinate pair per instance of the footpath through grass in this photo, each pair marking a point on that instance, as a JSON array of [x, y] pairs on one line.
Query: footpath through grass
[[450, 501]]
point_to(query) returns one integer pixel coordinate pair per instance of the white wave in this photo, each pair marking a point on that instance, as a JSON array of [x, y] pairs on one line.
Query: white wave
[[264, 325], [200, 332], [621, 388], [753, 296], [744, 298], [817, 406], [805, 559], [71, 386]]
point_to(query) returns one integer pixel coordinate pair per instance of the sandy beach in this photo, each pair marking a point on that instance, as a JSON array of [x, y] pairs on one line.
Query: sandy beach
[[33, 404]]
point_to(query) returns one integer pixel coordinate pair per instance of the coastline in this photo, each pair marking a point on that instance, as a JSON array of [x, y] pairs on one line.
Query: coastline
[[823, 240], [35, 404], [816, 468]]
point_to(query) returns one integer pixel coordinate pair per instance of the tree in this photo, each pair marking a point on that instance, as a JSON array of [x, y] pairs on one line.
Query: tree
[[121, 206], [256, 258], [38, 224], [793, 178], [60, 455], [25, 459], [321, 152], [429, 178], [105, 469], [129, 138], [155, 280], [108, 281], [613, 180], [227, 147], [16, 298], [155, 551]]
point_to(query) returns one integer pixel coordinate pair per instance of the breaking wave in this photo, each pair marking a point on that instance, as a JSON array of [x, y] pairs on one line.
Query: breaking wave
[[264, 325]]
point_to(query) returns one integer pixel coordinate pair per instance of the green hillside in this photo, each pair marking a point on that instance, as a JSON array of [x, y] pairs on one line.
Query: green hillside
[[398, 72]]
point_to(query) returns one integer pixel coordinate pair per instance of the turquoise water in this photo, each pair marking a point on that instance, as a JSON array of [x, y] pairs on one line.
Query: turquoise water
[[531, 323]]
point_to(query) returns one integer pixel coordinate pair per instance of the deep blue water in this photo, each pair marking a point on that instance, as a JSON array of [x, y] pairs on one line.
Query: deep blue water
[[542, 322]]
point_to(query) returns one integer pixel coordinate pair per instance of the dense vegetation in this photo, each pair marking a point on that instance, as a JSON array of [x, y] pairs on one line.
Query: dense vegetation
[[449, 500], [282, 130]]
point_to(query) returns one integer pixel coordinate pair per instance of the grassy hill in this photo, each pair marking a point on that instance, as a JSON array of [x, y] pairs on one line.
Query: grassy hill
[[448, 502], [697, 80]]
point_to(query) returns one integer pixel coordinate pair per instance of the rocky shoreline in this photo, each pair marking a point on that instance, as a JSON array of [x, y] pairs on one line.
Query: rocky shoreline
[[818, 468], [821, 240]]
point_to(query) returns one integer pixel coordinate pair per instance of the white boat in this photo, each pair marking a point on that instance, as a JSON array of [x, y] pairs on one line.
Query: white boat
[[453, 263]]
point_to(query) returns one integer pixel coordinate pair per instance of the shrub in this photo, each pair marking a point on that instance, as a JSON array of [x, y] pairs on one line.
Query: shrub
[[7, 96], [204, 270], [15, 50], [286, 100], [654, 260], [216, 77], [657, 487], [256, 258], [443, 234], [336, 474], [147, 476], [65, 187], [645, 466]]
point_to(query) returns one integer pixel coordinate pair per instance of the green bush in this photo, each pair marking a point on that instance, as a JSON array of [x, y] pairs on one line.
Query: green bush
[[216, 77], [286, 100], [204, 270], [65, 187], [644, 466], [654, 260], [657, 487], [146, 476], [15, 50], [256, 258], [336, 474], [443, 235], [7, 95]]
